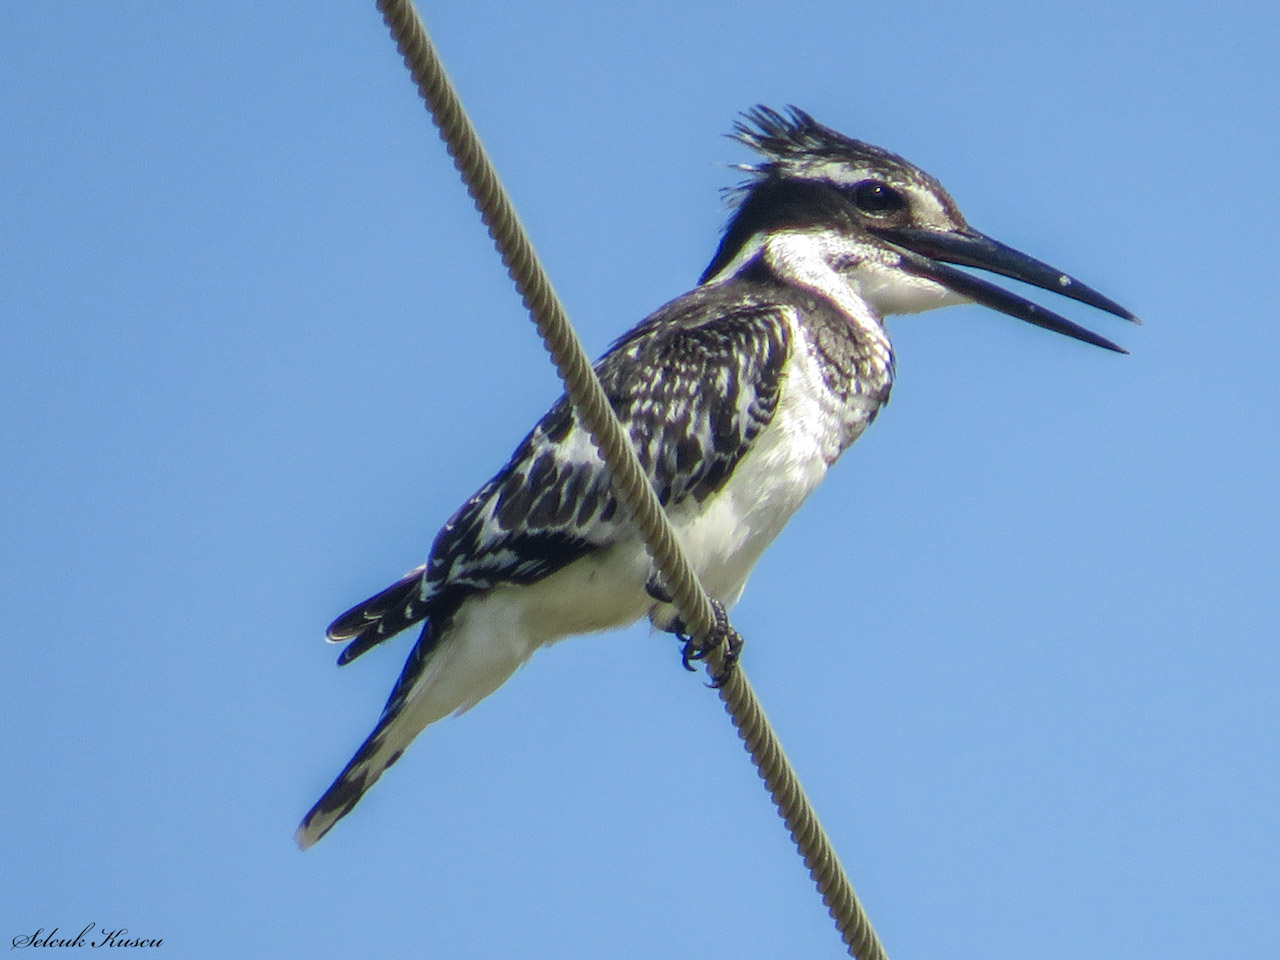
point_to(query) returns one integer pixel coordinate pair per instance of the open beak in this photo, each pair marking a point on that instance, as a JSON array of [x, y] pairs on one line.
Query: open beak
[[926, 253]]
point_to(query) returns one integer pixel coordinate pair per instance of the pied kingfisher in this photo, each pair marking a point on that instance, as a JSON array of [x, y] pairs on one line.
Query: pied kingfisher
[[738, 396]]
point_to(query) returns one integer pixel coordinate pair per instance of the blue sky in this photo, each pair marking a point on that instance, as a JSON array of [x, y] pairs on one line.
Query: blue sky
[[1020, 645]]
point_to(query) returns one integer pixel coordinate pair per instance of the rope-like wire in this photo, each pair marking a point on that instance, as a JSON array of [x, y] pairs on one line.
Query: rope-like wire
[[630, 483]]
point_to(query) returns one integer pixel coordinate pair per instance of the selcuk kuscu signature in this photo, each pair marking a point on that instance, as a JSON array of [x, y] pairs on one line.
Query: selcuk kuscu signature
[[86, 938]]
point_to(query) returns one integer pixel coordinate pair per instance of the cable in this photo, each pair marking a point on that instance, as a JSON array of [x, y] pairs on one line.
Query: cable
[[630, 483]]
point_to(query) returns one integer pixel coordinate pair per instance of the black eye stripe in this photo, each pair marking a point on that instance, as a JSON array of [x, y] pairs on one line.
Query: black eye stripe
[[876, 197]]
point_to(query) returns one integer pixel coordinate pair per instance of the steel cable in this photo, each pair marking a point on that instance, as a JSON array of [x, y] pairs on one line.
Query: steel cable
[[630, 483]]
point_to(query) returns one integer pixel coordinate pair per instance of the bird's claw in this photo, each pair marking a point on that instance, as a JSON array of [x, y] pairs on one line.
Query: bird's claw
[[657, 590], [722, 636]]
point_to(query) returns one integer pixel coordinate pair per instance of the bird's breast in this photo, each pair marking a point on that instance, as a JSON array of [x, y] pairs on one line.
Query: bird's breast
[[812, 425]]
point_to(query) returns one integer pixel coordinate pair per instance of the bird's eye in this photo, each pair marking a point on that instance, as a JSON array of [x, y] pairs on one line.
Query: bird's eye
[[876, 198]]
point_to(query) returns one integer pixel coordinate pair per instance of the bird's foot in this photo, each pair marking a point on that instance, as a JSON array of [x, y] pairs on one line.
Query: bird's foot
[[722, 637], [655, 588]]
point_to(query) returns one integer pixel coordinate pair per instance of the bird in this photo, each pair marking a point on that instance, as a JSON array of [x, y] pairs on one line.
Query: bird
[[737, 396]]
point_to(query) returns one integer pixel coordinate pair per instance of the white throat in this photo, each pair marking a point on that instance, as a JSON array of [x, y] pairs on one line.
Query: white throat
[[810, 260]]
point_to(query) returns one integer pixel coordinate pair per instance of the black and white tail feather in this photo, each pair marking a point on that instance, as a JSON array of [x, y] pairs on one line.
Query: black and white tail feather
[[737, 396]]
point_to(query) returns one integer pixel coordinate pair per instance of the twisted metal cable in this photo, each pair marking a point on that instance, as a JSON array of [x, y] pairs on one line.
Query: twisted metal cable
[[630, 483]]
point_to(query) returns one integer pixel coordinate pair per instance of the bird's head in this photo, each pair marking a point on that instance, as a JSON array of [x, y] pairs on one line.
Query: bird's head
[[891, 230]]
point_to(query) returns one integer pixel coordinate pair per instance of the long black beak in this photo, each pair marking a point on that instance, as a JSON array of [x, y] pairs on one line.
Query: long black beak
[[926, 253]]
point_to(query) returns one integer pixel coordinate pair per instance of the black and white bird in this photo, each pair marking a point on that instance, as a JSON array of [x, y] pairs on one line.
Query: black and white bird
[[737, 395]]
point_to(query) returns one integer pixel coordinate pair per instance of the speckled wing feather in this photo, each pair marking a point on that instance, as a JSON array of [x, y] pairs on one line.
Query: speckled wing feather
[[693, 384]]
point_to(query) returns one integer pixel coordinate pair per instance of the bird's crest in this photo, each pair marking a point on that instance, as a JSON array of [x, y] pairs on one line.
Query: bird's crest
[[794, 145], [794, 142]]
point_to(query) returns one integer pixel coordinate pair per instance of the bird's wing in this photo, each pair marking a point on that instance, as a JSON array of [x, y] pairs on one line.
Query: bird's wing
[[692, 385]]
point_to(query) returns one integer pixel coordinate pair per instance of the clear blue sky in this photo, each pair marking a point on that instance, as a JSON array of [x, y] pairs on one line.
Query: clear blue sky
[[1021, 645]]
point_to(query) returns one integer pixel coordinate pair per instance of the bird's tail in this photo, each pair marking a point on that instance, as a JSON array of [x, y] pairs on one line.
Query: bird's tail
[[460, 659], [396, 727], [378, 752]]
